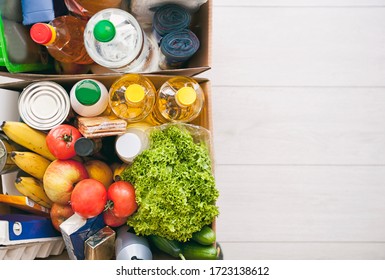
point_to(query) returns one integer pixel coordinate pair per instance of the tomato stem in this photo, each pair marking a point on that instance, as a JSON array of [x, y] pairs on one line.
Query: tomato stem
[[109, 205]]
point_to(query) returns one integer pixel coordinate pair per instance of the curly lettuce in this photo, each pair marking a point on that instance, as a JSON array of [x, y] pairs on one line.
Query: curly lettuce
[[174, 185]]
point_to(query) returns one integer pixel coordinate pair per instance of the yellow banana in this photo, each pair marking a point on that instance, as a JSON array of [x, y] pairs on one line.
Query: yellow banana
[[33, 189], [118, 171], [30, 162], [27, 137]]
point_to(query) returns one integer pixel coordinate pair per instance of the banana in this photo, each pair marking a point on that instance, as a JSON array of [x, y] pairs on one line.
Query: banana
[[30, 162], [118, 171], [33, 189], [27, 137]]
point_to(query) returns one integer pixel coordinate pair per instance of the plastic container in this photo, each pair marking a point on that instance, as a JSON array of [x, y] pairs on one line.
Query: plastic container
[[27, 56], [115, 40], [37, 11], [129, 246], [132, 97], [176, 48], [179, 99], [89, 98], [131, 143], [87, 8], [63, 38], [168, 18]]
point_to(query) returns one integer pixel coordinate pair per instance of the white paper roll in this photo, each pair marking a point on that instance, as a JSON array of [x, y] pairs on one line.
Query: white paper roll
[[8, 105]]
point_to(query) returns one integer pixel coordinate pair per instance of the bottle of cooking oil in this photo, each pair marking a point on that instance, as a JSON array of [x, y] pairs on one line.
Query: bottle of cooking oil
[[132, 97], [179, 99], [63, 38]]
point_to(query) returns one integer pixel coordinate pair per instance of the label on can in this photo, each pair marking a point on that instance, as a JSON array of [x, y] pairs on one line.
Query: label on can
[[44, 105]]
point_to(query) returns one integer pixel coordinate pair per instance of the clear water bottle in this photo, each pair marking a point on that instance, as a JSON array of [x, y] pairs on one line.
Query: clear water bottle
[[132, 97], [115, 40], [179, 99], [89, 98]]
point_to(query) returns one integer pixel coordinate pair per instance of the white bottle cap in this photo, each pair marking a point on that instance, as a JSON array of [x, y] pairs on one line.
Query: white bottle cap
[[130, 144]]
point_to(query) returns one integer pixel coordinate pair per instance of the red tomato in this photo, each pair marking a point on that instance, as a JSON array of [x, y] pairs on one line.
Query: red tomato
[[122, 194], [88, 198], [61, 140], [111, 220]]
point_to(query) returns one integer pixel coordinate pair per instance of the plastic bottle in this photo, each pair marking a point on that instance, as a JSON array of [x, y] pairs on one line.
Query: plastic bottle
[[179, 99], [131, 143], [37, 11], [115, 40], [132, 97], [89, 98], [63, 38], [85, 147], [87, 8]]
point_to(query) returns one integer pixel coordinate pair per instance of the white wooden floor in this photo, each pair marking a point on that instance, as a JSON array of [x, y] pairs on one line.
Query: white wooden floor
[[299, 128]]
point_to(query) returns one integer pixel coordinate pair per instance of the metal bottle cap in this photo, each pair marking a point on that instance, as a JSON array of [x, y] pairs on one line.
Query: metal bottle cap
[[44, 105]]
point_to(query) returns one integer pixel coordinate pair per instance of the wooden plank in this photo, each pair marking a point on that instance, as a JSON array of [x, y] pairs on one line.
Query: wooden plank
[[300, 126], [298, 47], [303, 251], [298, 3], [300, 204]]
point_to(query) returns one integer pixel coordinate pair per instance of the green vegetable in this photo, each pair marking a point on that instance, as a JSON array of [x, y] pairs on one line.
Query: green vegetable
[[205, 236], [194, 251], [174, 185], [170, 247]]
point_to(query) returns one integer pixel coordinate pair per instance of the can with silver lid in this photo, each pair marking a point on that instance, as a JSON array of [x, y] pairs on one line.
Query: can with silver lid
[[44, 105]]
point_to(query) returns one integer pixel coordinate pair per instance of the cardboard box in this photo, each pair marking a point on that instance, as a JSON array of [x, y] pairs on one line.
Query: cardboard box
[[201, 25]]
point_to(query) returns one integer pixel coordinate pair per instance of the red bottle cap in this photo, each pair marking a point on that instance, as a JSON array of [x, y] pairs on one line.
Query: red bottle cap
[[42, 33]]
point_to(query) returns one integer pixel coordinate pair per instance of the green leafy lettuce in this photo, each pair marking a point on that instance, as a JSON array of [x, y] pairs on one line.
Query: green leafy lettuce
[[174, 185]]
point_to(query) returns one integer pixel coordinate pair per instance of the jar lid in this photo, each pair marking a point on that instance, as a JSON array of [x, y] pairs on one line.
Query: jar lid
[[128, 146], [88, 92], [104, 31], [186, 96], [134, 93], [84, 146], [43, 33]]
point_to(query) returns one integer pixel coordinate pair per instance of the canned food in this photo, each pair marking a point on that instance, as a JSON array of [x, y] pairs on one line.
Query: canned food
[[7, 165], [44, 105]]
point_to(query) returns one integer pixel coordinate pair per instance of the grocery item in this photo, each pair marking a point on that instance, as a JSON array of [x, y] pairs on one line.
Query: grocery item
[[37, 11], [76, 230], [44, 105], [24, 203], [16, 131], [171, 177], [129, 246], [87, 8], [31, 163], [11, 9], [115, 40], [103, 126], [195, 251], [144, 10], [101, 245], [89, 98], [99, 170], [179, 99], [176, 48], [206, 236], [33, 189], [132, 97], [170, 247], [61, 141], [87, 147], [7, 165], [168, 18], [18, 52], [131, 144], [63, 38]]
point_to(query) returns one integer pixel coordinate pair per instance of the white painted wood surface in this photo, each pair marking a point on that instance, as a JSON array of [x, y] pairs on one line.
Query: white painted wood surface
[[299, 128]]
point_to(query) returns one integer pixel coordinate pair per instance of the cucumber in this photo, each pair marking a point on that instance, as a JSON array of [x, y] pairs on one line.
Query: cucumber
[[206, 236], [196, 251], [170, 247]]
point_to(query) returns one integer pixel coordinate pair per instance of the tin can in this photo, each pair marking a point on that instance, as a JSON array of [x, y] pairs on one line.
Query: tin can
[[44, 105], [7, 165]]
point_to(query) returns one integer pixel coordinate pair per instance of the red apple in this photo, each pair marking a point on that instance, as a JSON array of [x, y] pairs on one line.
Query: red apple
[[59, 213], [60, 178], [111, 220]]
